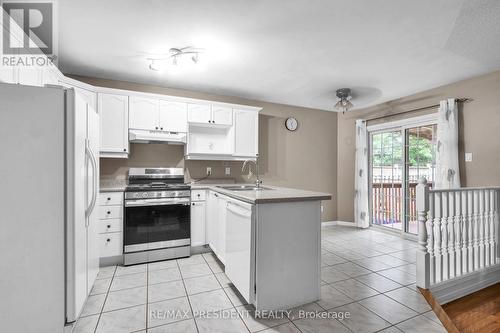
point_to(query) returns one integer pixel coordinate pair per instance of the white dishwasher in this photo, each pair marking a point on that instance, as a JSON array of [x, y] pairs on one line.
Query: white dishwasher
[[240, 248]]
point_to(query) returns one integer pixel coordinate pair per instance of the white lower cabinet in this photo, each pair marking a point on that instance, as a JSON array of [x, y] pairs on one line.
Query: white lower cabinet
[[216, 224], [111, 244], [221, 228], [198, 223], [198, 218], [111, 224]]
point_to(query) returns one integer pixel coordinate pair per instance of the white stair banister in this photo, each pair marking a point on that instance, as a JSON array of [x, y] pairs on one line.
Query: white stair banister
[[458, 239]]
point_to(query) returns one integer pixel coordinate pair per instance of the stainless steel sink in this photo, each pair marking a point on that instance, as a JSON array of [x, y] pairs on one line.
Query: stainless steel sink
[[244, 188]]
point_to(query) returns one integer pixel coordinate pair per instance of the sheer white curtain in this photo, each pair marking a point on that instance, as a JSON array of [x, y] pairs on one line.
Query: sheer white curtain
[[447, 173], [361, 217]]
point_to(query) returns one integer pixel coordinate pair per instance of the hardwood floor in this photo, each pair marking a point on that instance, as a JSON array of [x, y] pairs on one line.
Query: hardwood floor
[[477, 312]]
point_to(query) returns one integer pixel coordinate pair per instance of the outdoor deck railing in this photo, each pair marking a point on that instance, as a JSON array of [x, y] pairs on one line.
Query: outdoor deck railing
[[458, 232]]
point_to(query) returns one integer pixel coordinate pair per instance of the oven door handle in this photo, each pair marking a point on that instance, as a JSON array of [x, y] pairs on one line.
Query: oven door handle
[[139, 203]]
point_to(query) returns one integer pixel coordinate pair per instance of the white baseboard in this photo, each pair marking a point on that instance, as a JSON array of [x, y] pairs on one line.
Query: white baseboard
[[448, 291], [342, 223]]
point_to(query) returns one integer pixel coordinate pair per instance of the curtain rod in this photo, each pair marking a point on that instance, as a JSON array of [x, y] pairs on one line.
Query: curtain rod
[[459, 100]]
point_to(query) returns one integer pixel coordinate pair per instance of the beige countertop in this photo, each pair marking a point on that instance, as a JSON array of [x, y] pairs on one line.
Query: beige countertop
[[273, 194]]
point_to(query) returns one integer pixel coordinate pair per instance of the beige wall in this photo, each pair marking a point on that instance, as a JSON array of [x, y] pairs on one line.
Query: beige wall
[[305, 159], [479, 129]]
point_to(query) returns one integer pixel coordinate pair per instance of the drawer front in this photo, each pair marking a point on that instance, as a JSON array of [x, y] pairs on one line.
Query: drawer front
[[111, 199], [111, 244], [111, 212], [198, 195], [110, 225]]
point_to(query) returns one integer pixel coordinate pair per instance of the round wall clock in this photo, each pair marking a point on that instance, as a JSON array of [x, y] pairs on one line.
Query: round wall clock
[[291, 124]]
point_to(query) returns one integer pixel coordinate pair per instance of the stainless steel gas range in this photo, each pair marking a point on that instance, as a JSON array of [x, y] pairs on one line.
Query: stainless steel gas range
[[157, 215]]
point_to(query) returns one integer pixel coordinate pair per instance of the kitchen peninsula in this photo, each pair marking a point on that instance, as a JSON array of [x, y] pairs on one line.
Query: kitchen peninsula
[[269, 239]]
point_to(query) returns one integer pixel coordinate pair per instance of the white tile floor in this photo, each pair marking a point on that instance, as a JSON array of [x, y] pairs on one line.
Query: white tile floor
[[369, 274]]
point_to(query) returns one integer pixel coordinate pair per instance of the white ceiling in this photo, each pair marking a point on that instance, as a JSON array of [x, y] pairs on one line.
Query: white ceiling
[[295, 52]]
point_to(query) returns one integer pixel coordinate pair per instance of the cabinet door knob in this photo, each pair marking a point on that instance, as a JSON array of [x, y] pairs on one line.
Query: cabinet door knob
[[109, 226], [192, 204], [108, 240], [156, 127], [213, 121], [198, 195], [109, 199], [161, 128], [124, 149], [109, 212]]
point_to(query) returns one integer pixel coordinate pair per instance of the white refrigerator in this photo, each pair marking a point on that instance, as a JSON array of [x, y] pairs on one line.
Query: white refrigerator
[[49, 167]]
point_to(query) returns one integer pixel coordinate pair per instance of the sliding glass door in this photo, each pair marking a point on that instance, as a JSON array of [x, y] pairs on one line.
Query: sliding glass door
[[398, 158], [420, 161], [386, 178]]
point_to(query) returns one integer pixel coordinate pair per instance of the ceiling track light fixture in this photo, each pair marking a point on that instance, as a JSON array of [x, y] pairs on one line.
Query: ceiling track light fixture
[[175, 56], [344, 102]]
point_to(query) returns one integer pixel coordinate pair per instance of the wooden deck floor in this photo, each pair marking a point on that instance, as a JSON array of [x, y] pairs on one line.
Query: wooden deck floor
[[477, 312]]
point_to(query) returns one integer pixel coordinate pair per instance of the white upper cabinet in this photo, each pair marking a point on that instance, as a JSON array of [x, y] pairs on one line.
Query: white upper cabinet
[[246, 129], [199, 113], [113, 110], [222, 115], [173, 116], [144, 113]]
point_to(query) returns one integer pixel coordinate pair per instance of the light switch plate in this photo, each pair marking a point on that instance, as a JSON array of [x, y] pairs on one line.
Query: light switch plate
[[468, 157], [228, 171]]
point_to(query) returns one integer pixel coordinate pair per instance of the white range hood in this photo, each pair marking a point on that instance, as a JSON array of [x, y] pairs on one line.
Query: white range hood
[[143, 136]]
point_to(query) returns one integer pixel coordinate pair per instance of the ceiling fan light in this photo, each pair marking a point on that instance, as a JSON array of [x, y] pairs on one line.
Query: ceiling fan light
[[343, 103]]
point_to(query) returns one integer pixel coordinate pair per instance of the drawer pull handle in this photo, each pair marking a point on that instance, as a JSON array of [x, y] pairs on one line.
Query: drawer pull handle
[[108, 240], [109, 226]]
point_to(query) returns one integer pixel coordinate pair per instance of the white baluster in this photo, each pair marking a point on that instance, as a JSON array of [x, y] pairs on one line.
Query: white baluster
[[480, 226], [430, 239], [470, 234], [444, 235], [451, 232], [476, 229], [458, 233], [491, 228], [464, 231], [486, 224], [437, 237], [422, 194], [494, 226]]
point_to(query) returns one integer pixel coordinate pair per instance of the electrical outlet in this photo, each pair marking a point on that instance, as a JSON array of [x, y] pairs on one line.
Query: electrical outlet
[[209, 170], [468, 157], [228, 171]]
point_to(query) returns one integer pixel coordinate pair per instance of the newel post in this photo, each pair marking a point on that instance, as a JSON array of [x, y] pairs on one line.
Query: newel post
[[423, 258]]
